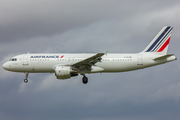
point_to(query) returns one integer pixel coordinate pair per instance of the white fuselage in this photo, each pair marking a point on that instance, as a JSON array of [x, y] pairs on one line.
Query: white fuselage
[[44, 63]]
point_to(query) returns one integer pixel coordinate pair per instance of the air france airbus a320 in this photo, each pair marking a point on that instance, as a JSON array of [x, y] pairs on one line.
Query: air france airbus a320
[[66, 66]]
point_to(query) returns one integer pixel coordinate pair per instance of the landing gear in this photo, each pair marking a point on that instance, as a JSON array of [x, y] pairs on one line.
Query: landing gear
[[26, 80], [85, 80]]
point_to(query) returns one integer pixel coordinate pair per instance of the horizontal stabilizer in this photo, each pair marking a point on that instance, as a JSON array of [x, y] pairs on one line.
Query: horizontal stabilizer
[[163, 57]]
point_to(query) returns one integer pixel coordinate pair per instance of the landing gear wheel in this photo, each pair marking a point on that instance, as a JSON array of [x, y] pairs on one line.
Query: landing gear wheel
[[25, 80], [85, 80]]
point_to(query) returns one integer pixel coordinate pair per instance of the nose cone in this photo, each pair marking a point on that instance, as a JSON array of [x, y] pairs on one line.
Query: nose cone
[[5, 66]]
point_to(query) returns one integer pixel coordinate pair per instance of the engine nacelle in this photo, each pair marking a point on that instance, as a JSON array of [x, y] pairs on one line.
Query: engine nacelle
[[63, 72]]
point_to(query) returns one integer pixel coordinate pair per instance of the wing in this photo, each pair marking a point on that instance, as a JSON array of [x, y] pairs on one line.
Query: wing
[[90, 61], [86, 64]]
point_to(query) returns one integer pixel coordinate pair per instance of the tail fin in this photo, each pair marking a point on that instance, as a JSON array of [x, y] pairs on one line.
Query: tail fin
[[161, 42]]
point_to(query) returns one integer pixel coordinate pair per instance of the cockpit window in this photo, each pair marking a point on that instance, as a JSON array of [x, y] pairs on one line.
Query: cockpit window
[[13, 59]]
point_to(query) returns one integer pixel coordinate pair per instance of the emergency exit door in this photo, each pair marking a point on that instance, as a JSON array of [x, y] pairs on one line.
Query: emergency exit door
[[25, 60]]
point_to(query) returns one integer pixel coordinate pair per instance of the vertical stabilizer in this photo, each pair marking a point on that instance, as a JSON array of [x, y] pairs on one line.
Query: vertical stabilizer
[[161, 41]]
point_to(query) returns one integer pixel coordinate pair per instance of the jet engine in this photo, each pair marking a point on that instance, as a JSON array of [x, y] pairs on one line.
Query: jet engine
[[64, 72]]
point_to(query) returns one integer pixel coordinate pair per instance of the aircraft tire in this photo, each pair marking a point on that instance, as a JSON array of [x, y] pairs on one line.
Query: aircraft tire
[[85, 80], [25, 80]]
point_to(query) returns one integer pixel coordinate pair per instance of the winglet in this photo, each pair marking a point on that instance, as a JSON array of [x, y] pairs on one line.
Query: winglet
[[105, 53]]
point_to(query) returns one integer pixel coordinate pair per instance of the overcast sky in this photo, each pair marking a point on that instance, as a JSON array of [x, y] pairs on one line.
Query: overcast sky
[[89, 26]]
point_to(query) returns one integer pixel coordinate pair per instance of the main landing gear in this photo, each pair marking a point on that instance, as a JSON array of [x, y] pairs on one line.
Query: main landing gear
[[26, 79], [85, 80]]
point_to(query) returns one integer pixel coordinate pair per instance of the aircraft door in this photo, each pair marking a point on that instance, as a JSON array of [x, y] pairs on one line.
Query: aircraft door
[[25, 60], [139, 60]]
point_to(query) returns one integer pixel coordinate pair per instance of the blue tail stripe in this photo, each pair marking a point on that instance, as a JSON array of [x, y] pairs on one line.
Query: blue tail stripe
[[162, 39], [158, 39]]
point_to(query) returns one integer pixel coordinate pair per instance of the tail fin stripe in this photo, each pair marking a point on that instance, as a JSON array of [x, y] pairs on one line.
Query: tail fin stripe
[[162, 40], [164, 46], [159, 46], [158, 39]]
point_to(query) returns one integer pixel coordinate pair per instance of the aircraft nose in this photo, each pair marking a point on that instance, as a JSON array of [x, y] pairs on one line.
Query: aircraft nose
[[5, 66]]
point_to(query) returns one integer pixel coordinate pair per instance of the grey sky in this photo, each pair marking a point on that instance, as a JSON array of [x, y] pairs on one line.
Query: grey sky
[[88, 26]]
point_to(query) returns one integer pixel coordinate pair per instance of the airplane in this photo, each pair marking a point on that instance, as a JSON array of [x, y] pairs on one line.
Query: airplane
[[66, 65]]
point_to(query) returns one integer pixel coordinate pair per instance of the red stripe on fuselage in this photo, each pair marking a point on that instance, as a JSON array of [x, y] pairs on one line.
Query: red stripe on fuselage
[[165, 45]]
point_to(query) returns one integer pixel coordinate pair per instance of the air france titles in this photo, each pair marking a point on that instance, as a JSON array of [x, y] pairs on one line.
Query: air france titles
[[53, 56]]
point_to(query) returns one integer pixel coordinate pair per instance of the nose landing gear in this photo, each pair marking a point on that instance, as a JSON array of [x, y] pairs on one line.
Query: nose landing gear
[[26, 79]]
